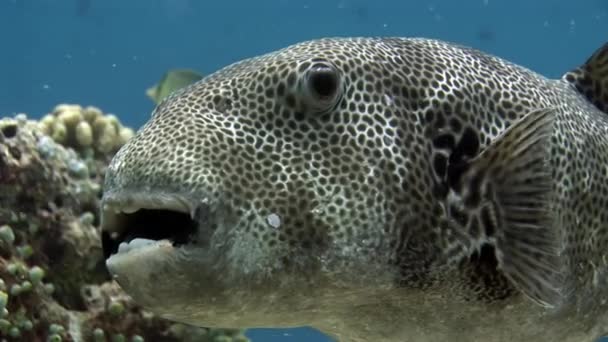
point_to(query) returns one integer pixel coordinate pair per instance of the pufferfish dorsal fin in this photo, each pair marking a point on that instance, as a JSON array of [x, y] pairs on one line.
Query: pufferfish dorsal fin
[[512, 176], [591, 78]]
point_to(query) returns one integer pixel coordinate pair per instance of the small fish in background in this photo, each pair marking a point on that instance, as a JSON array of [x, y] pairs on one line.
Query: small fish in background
[[82, 7], [486, 34], [171, 81]]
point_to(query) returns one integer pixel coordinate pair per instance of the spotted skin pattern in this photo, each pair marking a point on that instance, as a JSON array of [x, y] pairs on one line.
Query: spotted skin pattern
[[358, 178]]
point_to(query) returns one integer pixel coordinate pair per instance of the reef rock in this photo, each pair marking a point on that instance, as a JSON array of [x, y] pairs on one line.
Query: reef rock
[[53, 284]]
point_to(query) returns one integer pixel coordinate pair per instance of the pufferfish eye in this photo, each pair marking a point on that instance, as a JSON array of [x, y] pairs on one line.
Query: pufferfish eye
[[322, 86]]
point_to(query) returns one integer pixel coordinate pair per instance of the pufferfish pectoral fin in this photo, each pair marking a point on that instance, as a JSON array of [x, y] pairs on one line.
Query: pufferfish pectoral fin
[[512, 177], [591, 78]]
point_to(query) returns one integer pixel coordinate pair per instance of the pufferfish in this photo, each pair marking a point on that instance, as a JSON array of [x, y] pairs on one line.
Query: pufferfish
[[379, 189]]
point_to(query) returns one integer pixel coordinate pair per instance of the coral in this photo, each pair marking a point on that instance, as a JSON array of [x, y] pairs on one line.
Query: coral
[[53, 284], [86, 130]]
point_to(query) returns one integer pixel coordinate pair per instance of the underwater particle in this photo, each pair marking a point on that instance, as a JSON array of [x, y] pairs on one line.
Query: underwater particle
[[84, 134], [99, 335], [54, 338], [137, 338], [572, 25], [116, 308], [3, 300], [46, 147], [25, 251], [486, 34], [7, 235], [78, 168], [118, 338]]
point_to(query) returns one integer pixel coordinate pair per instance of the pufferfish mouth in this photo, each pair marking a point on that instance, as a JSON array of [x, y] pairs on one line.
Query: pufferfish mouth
[[134, 221]]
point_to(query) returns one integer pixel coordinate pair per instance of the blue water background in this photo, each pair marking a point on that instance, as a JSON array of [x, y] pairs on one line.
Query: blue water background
[[107, 52]]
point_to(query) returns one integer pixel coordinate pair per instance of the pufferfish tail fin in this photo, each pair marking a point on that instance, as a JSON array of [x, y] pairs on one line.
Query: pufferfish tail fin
[[512, 178], [591, 78]]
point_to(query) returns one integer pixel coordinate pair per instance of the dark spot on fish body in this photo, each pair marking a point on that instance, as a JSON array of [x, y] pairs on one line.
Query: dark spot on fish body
[[281, 89], [485, 258], [440, 190], [473, 197], [429, 116], [444, 141], [439, 121], [440, 163], [467, 147], [455, 125], [454, 173]]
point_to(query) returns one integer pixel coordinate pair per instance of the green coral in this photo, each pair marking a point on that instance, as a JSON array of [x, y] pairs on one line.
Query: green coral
[[7, 235], [36, 274], [52, 274]]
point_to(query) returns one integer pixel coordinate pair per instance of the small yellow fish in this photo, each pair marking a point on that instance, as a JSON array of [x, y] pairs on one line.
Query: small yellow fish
[[171, 81]]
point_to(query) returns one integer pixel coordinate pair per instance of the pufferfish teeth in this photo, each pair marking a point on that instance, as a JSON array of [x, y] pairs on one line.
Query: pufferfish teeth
[[130, 210]]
